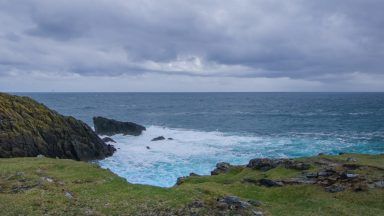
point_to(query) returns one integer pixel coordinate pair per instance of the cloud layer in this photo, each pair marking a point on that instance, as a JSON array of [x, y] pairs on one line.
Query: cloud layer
[[324, 42]]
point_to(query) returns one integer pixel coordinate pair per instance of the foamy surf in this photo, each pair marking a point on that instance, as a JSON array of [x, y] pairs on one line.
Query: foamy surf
[[198, 152]]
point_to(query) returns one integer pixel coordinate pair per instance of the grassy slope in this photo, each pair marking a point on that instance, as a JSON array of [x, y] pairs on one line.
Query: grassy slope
[[98, 192]]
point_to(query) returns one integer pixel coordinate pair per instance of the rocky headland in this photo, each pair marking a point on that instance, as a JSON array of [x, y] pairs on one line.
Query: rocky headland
[[28, 129]]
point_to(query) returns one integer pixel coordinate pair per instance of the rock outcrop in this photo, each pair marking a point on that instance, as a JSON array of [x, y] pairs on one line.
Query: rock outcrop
[[28, 129], [110, 127], [158, 138]]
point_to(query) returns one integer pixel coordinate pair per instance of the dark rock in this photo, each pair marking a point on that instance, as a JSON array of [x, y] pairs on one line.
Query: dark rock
[[232, 202], [256, 203], [341, 153], [270, 183], [349, 175], [291, 164], [148, 147], [110, 127], [321, 153], [334, 188], [193, 174], [108, 139], [158, 138], [263, 164], [294, 181], [29, 129], [251, 180], [197, 204], [312, 175], [221, 167], [180, 180], [170, 138]]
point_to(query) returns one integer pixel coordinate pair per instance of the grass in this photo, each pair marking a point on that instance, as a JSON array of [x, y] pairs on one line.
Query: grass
[[38, 186]]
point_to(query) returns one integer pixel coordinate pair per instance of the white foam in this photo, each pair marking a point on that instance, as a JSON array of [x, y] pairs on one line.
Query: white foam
[[197, 151]]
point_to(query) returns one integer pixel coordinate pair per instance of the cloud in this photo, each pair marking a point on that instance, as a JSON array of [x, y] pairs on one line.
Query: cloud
[[293, 39]]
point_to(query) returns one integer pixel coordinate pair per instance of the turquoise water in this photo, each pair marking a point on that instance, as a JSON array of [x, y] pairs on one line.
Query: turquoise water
[[234, 127]]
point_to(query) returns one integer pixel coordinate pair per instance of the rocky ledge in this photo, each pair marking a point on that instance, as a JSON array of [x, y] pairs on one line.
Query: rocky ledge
[[110, 127], [28, 129]]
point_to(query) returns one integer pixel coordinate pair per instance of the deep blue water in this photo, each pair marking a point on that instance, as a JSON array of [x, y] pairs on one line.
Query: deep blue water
[[235, 127]]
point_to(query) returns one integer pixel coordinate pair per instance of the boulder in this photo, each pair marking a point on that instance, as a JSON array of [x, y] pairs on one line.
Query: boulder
[[263, 164], [29, 129], [270, 183], [334, 188], [158, 138], [232, 202], [291, 164], [221, 167], [108, 139], [110, 127]]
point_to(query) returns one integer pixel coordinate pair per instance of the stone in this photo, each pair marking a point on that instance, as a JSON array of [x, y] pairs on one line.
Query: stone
[[349, 175], [291, 164], [108, 139], [158, 138], [270, 183], [221, 167], [170, 138], [232, 202], [257, 213], [263, 164], [180, 180], [312, 175], [334, 188], [148, 147], [379, 184], [30, 129], [351, 159], [256, 203], [193, 174], [110, 127], [68, 194]]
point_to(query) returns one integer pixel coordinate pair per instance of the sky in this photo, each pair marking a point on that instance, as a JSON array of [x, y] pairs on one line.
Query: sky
[[183, 46]]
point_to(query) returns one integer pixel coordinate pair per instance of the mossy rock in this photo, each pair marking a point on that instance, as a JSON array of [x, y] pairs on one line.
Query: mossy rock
[[28, 129]]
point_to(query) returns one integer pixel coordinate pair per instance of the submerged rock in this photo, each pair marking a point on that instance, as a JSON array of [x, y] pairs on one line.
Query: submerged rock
[[110, 127], [30, 129], [158, 138]]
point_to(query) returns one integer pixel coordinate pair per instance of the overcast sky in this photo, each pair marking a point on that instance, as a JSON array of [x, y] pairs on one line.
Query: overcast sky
[[165, 45]]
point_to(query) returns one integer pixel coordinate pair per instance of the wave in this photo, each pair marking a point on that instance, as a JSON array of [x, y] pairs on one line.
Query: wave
[[199, 151]]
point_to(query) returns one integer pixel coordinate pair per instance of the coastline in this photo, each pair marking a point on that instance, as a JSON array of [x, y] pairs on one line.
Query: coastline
[[36, 186]]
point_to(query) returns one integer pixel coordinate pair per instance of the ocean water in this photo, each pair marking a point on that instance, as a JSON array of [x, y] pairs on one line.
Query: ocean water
[[234, 127]]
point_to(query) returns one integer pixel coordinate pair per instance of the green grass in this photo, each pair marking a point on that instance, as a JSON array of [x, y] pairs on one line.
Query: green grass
[[99, 192]]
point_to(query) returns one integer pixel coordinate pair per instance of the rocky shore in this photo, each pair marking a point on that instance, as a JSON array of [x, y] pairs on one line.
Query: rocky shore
[[28, 129], [348, 184]]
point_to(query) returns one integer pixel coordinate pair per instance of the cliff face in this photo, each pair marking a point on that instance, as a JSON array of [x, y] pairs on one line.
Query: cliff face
[[28, 128]]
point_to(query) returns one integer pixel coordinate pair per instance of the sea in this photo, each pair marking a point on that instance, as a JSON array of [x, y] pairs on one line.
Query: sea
[[208, 128]]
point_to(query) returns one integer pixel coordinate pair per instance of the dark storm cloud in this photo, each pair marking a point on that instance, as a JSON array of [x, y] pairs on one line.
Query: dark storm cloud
[[259, 38]]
